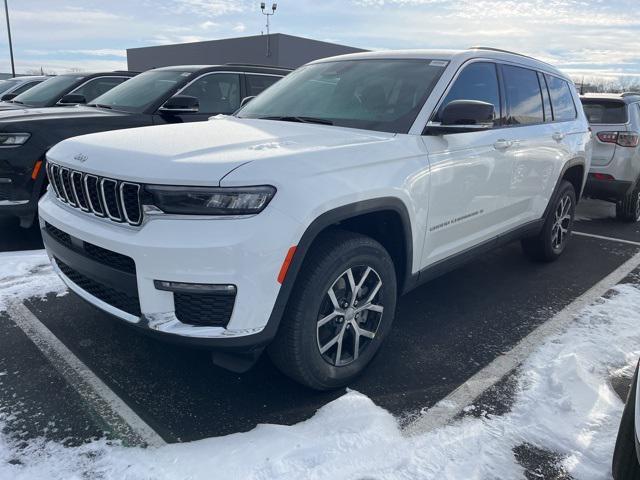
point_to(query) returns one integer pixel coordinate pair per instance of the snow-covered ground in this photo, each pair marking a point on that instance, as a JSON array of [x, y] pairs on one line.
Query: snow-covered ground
[[563, 403]]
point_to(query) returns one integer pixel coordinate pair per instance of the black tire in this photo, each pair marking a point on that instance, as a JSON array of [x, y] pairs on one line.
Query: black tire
[[625, 459], [545, 247], [628, 209], [296, 348]]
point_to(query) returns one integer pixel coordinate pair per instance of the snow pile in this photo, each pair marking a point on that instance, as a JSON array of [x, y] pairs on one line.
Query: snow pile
[[564, 403], [26, 274]]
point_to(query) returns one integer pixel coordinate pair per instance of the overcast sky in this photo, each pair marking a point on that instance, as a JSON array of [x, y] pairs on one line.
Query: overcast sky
[[581, 36]]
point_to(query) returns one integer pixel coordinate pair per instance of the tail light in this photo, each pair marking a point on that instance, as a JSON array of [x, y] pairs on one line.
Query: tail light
[[624, 139], [603, 176]]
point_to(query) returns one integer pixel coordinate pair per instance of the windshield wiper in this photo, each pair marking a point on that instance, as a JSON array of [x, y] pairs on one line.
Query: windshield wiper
[[17, 101], [99, 105], [285, 118]]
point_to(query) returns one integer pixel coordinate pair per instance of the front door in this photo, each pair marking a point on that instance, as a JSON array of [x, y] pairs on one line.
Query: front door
[[469, 172]]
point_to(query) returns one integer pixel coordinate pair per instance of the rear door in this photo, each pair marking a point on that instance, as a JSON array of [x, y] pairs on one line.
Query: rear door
[[257, 82], [604, 116]]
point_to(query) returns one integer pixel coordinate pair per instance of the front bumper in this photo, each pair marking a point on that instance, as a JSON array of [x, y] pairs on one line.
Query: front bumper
[[19, 194], [612, 190], [247, 253]]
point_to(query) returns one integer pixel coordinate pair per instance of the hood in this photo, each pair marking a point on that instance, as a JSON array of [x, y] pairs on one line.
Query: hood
[[11, 106], [200, 153], [52, 113]]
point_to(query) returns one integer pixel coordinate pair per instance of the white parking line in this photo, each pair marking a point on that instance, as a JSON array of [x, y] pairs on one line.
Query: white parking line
[[117, 415], [601, 237], [446, 409]]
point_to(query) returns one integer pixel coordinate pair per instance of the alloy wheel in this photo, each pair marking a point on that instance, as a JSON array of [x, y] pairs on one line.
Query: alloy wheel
[[561, 223], [350, 315]]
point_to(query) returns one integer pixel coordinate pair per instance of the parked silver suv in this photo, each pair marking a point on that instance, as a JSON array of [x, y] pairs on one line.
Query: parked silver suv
[[615, 167]]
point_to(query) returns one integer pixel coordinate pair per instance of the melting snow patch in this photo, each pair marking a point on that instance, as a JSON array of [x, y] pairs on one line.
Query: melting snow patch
[[563, 404], [27, 274]]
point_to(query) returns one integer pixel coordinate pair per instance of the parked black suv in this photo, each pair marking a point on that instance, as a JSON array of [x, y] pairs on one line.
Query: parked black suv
[[159, 96], [67, 89]]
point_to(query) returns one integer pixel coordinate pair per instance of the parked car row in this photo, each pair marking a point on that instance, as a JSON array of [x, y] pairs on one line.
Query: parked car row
[[106, 102]]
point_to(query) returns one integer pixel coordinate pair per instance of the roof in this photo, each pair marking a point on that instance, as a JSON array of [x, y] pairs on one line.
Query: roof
[[27, 78], [233, 66], [452, 55], [627, 97]]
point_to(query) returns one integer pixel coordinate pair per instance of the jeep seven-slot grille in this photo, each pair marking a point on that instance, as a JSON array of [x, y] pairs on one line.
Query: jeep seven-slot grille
[[105, 197]]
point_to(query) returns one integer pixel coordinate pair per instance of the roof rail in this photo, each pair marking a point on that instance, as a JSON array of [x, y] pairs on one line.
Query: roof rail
[[500, 50], [630, 94], [236, 64]]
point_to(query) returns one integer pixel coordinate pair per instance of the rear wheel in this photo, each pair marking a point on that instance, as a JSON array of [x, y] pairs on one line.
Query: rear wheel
[[339, 313], [549, 244], [628, 209], [625, 459]]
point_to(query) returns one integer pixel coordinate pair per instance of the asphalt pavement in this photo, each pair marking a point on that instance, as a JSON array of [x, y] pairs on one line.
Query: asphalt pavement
[[445, 331]]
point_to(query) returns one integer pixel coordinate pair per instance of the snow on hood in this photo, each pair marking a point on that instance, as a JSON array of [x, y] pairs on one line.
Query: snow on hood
[[199, 153], [563, 403]]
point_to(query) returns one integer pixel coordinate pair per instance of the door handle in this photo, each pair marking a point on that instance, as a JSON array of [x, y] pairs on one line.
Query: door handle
[[558, 136], [502, 144]]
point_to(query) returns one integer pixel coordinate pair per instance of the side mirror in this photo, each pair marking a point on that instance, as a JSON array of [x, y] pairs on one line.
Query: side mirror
[[461, 116], [72, 99], [246, 100], [181, 104], [8, 96]]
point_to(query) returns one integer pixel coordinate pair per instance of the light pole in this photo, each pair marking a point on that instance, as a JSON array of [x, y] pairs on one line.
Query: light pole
[[6, 13], [273, 11]]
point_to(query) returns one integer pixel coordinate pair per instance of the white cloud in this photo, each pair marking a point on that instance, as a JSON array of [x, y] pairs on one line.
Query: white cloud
[[239, 27], [213, 8]]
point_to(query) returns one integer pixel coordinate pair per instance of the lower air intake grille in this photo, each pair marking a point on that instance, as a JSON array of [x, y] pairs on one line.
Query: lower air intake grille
[[62, 237], [112, 259], [211, 309], [126, 302]]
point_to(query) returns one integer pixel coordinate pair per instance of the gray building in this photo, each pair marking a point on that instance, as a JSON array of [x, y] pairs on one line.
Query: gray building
[[285, 51]]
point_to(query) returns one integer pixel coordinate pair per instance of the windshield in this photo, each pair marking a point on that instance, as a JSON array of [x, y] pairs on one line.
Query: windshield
[[383, 95], [605, 111], [7, 84], [48, 92], [139, 93]]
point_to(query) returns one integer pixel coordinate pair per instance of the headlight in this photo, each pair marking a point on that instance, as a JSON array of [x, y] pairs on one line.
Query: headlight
[[13, 139], [211, 200]]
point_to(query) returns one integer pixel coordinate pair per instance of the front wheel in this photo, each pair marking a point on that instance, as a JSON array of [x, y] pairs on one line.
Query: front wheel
[[549, 244], [340, 311]]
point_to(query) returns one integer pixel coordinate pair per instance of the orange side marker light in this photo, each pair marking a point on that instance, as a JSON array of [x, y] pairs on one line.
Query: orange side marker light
[[36, 170], [286, 264]]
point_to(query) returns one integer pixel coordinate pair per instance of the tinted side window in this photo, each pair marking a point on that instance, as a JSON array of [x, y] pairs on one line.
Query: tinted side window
[[561, 99], [478, 81], [548, 114], [217, 92], [258, 83], [524, 98], [25, 87], [97, 86]]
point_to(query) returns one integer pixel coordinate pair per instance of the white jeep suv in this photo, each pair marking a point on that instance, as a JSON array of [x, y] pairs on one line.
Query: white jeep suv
[[297, 222]]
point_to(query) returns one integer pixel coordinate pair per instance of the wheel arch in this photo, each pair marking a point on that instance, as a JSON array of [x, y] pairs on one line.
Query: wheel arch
[[366, 217]]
